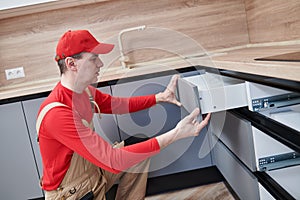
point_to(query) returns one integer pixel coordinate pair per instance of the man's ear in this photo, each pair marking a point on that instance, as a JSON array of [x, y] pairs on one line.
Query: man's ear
[[70, 63]]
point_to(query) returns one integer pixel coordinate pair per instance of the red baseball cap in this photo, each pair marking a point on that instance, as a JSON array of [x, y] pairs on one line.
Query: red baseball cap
[[74, 42]]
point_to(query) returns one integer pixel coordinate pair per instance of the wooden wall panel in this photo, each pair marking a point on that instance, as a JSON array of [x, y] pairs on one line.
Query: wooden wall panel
[[273, 20], [42, 7], [30, 40]]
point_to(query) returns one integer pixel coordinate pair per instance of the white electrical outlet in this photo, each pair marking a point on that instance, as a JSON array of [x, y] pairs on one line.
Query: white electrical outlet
[[14, 73]]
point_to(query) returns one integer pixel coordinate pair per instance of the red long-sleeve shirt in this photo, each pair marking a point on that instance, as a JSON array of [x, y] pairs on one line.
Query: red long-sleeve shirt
[[62, 133]]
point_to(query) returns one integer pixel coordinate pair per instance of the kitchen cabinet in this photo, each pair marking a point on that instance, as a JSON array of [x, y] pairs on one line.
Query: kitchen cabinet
[[31, 108], [19, 174], [242, 148], [179, 156], [251, 150], [232, 142], [252, 146], [240, 179]]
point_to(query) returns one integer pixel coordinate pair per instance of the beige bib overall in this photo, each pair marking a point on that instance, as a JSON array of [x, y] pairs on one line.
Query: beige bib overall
[[84, 177]]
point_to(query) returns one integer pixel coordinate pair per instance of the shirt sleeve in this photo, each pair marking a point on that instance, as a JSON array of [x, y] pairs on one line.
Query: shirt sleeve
[[70, 131], [121, 105]]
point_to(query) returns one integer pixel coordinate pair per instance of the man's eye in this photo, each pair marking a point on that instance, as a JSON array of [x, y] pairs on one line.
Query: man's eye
[[93, 59]]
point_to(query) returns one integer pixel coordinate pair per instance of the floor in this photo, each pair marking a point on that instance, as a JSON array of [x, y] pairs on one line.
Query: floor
[[216, 191]]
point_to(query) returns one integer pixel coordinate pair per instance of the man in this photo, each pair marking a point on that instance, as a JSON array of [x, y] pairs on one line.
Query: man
[[77, 162]]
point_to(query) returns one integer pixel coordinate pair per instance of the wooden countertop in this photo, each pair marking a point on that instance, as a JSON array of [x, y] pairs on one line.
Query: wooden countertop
[[243, 60], [240, 59]]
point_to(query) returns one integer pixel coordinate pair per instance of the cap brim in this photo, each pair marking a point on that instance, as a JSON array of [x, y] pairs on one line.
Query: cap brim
[[103, 48]]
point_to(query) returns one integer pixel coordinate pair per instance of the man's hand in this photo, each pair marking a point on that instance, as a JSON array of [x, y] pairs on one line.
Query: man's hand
[[169, 94], [187, 127]]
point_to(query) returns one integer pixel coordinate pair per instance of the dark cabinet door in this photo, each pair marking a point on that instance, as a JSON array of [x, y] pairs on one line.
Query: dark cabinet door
[[18, 170]]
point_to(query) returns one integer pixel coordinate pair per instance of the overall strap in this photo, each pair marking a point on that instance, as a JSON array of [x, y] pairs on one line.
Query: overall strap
[[93, 102], [43, 113], [56, 104]]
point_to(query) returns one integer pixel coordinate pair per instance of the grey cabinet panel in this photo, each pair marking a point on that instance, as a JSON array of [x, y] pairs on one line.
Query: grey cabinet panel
[[18, 171], [31, 108], [180, 156], [155, 120], [106, 126], [237, 136], [238, 176]]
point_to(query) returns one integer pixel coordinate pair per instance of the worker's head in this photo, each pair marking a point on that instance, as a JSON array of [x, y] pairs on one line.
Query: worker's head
[[76, 45]]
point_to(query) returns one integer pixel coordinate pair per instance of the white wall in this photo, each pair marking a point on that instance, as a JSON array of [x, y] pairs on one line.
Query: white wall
[[7, 4]]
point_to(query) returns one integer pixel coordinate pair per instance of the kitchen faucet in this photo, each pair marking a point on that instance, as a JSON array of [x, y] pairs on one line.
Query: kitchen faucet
[[123, 59]]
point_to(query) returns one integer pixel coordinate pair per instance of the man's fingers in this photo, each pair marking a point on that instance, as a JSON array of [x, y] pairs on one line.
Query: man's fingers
[[171, 89], [177, 103], [173, 81], [207, 117], [205, 121], [195, 113]]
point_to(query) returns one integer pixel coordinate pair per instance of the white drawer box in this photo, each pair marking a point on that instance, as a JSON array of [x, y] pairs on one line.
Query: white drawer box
[[245, 184], [290, 116], [288, 178], [268, 150], [214, 92], [253, 147], [265, 98]]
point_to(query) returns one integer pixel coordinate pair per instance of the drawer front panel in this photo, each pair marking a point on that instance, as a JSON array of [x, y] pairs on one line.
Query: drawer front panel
[[237, 136], [239, 177]]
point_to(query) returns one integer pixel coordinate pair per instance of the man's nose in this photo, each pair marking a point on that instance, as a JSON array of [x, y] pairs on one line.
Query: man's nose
[[99, 63]]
